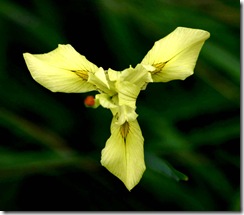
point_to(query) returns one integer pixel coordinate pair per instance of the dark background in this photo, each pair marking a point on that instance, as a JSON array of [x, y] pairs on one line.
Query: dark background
[[50, 144]]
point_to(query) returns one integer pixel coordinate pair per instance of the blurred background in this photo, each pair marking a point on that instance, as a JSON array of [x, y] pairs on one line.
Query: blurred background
[[50, 146]]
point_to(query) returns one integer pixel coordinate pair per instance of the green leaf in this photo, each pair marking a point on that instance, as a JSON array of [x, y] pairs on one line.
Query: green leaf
[[15, 164], [219, 56], [22, 17], [159, 165]]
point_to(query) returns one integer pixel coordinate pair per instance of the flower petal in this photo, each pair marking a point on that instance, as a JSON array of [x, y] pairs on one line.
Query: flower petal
[[106, 101], [113, 75], [175, 56], [127, 93], [61, 70], [125, 113], [99, 79], [138, 76], [123, 154]]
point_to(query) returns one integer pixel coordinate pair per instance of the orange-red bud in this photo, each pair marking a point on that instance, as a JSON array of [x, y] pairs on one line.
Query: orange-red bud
[[89, 101]]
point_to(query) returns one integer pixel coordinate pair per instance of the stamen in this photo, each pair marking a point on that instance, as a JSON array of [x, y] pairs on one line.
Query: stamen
[[124, 130]]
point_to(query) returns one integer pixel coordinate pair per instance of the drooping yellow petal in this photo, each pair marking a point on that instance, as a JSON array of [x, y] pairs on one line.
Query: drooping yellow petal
[[175, 56], [123, 154], [61, 70]]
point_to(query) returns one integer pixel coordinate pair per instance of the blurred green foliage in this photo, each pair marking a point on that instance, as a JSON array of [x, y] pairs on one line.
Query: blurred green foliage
[[50, 143]]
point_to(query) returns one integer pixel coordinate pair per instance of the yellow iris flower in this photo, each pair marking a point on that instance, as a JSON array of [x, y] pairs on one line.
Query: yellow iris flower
[[65, 70]]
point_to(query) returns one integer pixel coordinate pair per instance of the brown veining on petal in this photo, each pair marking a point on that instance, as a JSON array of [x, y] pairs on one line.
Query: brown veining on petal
[[82, 74], [124, 129], [158, 67]]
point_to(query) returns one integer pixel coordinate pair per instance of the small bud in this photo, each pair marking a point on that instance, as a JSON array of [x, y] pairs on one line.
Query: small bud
[[89, 101]]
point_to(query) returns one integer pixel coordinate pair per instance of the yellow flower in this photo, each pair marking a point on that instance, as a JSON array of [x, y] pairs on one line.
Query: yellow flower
[[65, 70]]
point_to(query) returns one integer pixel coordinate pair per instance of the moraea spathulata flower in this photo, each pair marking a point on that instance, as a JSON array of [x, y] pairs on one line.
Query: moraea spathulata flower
[[65, 70]]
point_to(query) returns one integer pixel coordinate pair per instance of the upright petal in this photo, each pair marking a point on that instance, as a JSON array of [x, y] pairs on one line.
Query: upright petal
[[106, 101], [127, 93], [61, 70], [138, 76], [125, 113], [113, 75], [123, 154], [99, 79], [175, 56]]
